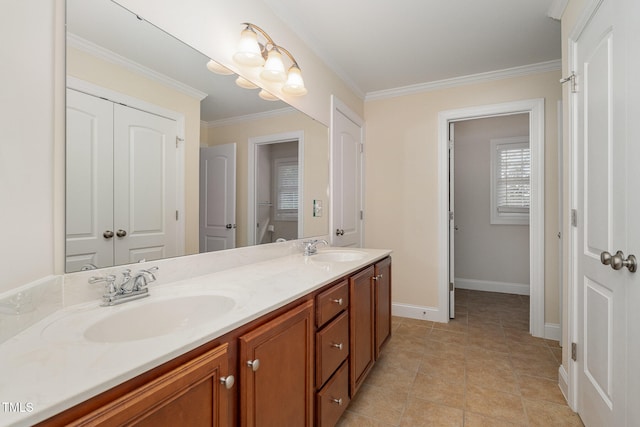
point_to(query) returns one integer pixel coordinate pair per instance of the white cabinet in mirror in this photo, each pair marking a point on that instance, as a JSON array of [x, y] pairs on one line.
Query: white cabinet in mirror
[[140, 106]]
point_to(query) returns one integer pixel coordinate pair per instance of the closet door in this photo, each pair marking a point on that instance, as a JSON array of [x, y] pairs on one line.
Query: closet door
[[89, 183], [144, 185]]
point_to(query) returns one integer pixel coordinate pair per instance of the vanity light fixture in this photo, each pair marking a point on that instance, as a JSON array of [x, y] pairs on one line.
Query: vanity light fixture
[[268, 55]]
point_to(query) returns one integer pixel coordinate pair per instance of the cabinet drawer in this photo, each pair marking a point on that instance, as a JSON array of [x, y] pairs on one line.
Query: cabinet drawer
[[333, 399], [332, 347], [332, 302]]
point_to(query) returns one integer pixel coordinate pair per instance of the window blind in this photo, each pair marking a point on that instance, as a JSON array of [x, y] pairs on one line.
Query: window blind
[[513, 183]]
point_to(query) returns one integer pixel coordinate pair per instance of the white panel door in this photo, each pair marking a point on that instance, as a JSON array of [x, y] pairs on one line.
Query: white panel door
[[144, 185], [89, 183], [346, 182], [218, 197], [602, 190]]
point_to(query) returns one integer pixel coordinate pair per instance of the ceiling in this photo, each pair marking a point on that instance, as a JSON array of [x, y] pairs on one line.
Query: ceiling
[[377, 45]]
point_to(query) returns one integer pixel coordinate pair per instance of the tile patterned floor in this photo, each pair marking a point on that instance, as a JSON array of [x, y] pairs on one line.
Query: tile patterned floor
[[481, 369]]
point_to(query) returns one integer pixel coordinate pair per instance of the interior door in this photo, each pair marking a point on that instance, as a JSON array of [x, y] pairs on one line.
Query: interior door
[[452, 226], [218, 197], [89, 184], [144, 185], [346, 182], [602, 230]]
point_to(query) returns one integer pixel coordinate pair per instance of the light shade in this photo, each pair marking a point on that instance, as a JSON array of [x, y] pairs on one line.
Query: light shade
[[267, 96], [273, 70], [249, 52], [244, 83], [294, 84], [214, 67]]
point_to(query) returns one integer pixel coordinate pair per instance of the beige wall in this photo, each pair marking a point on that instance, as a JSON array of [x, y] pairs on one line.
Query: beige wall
[[117, 78], [485, 251], [402, 183], [316, 165]]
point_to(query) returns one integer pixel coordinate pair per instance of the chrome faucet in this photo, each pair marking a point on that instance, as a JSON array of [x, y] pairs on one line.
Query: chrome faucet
[[310, 246], [130, 288]]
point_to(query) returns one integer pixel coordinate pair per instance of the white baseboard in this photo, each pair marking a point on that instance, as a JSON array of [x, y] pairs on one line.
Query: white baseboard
[[552, 331], [563, 382], [417, 312], [490, 286]]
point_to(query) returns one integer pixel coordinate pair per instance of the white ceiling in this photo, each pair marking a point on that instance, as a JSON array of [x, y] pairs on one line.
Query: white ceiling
[[378, 45]]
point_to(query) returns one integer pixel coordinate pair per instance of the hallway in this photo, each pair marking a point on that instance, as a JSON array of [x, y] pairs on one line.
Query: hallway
[[481, 369]]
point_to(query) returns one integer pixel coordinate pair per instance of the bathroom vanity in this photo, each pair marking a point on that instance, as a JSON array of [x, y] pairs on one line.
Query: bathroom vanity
[[293, 349]]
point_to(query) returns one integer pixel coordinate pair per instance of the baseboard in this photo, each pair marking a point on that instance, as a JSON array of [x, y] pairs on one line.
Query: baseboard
[[552, 331], [491, 286], [563, 382], [417, 312]]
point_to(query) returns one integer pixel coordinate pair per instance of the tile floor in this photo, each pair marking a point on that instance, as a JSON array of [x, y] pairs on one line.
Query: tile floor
[[481, 369]]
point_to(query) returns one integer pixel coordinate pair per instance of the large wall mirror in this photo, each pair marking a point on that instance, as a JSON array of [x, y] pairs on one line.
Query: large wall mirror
[[165, 158]]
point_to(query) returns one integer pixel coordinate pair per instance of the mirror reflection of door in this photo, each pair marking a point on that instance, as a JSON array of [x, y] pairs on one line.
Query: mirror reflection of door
[[277, 191], [121, 184]]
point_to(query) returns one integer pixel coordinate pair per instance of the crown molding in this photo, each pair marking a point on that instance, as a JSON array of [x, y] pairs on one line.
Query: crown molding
[[112, 57], [249, 117], [541, 67]]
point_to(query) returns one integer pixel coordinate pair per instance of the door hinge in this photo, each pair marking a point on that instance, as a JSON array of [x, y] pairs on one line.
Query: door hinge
[[178, 140], [574, 217], [572, 79], [176, 215], [574, 351]]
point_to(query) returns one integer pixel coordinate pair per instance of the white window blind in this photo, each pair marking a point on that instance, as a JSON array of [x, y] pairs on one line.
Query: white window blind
[[511, 183], [287, 189]]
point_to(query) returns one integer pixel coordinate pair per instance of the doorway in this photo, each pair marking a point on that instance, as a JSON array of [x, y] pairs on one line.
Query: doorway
[[490, 192], [276, 164], [535, 109]]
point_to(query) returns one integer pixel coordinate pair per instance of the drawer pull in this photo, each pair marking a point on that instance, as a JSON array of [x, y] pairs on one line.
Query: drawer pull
[[338, 401], [338, 346], [337, 301], [253, 364], [228, 381]]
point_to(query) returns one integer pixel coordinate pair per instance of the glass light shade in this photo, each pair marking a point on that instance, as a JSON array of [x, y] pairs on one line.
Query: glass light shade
[[248, 49], [267, 96], [294, 84], [274, 68], [244, 83], [214, 67]]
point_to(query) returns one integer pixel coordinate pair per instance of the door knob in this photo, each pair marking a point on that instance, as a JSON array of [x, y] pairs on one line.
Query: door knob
[[107, 234], [121, 233], [618, 262]]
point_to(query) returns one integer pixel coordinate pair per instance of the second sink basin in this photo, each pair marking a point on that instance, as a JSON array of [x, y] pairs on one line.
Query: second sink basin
[[344, 255], [158, 318]]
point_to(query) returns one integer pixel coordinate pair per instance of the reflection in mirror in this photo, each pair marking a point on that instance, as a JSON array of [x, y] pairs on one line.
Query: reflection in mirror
[[141, 108]]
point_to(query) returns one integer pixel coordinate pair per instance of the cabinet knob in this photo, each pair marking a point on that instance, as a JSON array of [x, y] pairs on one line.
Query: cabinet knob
[[337, 301], [338, 346], [337, 401], [253, 364], [228, 381]]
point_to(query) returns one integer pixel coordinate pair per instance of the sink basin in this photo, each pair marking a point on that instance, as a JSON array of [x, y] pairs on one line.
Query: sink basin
[[338, 256], [159, 318]]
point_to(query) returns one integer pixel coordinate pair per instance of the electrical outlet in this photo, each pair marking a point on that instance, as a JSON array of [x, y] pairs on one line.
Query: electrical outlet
[[317, 208]]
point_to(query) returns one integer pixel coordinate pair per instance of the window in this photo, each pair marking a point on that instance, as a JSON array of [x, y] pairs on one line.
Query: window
[[286, 189], [510, 180]]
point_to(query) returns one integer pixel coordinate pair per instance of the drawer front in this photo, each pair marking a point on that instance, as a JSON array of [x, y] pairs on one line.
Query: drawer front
[[332, 347], [333, 399], [332, 302]]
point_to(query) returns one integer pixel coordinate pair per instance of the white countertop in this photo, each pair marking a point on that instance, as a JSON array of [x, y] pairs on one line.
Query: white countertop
[[51, 366]]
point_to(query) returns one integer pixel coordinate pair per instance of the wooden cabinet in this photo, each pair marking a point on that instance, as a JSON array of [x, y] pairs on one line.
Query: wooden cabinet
[[382, 310], [361, 322], [191, 394], [276, 371]]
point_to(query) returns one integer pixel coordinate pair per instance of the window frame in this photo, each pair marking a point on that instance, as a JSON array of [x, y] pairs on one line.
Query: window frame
[[514, 217]]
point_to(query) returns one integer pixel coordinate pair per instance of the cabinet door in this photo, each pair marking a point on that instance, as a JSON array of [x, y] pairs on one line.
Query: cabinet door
[[190, 395], [276, 371], [361, 326], [382, 303]]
